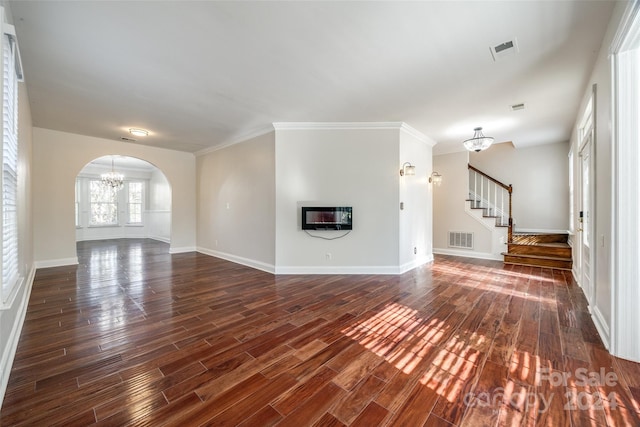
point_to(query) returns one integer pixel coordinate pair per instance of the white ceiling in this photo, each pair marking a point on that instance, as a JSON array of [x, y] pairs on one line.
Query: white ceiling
[[201, 74]]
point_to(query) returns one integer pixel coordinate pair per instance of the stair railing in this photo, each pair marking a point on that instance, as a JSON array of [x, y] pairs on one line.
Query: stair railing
[[489, 194]]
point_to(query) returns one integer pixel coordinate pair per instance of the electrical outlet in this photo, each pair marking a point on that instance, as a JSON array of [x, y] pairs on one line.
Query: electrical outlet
[[415, 250]]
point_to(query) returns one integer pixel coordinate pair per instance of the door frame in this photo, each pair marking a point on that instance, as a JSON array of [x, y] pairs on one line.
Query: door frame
[[587, 226]]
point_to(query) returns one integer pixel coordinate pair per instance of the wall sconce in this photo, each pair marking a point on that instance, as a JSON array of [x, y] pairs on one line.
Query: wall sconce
[[407, 169], [435, 178]]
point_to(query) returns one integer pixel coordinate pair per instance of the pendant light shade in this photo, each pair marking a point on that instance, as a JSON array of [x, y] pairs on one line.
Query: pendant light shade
[[479, 142]]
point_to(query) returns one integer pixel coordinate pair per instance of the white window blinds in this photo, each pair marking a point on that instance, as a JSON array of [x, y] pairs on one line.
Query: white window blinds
[[9, 167]]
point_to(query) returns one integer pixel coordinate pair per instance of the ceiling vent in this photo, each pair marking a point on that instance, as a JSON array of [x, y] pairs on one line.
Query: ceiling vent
[[504, 49], [125, 139], [516, 107]]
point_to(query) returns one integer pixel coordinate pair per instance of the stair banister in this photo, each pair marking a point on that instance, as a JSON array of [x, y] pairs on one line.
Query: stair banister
[[508, 188]]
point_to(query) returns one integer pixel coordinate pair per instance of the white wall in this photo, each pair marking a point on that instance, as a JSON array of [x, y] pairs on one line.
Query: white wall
[[357, 167], [540, 179], [449, 201], [12, 314], [158, 214], [57, 159], [236, 202], [250, 196], [416, 217], [601, 306]]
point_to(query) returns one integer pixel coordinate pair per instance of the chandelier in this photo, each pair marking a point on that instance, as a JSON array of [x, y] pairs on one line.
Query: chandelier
[[112, 180], [479, 142]]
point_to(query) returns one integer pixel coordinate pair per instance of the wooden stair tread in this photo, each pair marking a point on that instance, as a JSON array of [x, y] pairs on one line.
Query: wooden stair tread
[[548, 244], [551, 258], [542, 266]]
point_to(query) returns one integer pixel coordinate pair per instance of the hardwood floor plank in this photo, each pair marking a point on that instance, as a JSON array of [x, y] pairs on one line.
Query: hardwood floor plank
[[350, 407], [417, 407], [288, 401], [372, 415], [245, 408], [265, 417], [315, 407], [134, 335]]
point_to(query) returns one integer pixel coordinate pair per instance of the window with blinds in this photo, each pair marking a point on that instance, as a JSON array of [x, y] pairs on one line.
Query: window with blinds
[[9, 167], [135, 199]]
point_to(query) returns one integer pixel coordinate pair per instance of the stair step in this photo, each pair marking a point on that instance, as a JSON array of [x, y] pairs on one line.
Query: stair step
[[535, 238], [560, 250], [560, 263]]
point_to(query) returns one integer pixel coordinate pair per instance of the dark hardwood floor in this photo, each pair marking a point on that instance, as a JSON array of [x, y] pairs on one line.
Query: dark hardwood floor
[[135, 336]]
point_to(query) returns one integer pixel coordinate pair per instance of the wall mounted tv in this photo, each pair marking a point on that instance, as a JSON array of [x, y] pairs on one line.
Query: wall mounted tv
[[327, 218]]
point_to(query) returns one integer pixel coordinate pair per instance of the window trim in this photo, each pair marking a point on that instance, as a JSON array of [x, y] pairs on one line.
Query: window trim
[[11, 68], [141, 223]]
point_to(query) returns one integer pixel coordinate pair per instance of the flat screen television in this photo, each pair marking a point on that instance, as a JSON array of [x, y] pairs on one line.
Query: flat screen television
[[327, 218]]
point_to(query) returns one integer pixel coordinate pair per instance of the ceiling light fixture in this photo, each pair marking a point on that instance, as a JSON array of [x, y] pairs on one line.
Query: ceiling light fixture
[[113, 180], [138, 132], [479, 142]]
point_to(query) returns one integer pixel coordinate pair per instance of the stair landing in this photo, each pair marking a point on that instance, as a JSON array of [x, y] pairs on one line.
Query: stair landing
[[539, 249]]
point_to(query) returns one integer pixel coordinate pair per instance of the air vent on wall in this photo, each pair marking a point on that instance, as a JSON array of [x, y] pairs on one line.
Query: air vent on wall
[[508, 48], [460, 239], [516, 107], [125, 139]]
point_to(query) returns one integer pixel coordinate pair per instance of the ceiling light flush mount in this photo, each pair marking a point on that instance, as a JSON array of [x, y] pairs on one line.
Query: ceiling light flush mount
[[479, 142], [112, 180], [407, 169], [138, 132]]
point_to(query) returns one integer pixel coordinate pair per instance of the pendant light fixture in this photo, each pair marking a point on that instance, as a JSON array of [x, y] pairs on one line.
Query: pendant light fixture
[[113, 179], [479, 142]]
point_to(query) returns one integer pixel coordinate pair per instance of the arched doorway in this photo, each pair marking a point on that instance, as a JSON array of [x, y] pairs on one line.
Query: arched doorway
[[140, 208]]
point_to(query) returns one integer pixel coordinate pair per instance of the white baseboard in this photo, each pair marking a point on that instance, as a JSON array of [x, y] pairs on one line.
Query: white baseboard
[[270, 268], [258, 265], [56, 262], [601, 326], [181, 250], [416, 263], [333, 269], [9, 350], [365, 269], [467, 254]]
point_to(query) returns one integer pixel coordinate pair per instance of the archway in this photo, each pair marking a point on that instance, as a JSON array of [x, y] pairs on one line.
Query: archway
[[141, 208]]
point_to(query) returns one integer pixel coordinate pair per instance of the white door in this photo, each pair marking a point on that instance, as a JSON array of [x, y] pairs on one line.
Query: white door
[[585, 216]]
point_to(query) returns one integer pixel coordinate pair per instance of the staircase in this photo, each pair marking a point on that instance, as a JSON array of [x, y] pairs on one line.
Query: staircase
[[539, 249]]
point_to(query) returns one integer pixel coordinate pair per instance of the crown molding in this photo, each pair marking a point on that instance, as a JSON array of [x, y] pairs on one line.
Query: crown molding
[[417, 134], [237, 140], [336, 125], [401, 126]]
